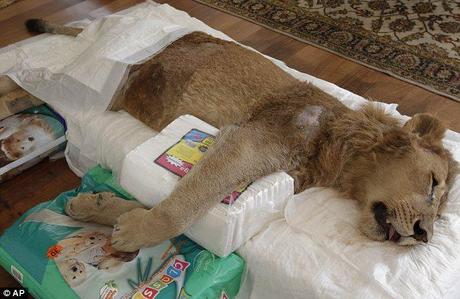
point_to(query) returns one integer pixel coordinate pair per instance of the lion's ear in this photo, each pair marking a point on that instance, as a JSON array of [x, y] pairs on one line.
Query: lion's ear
[[427, 127], [395, 141]]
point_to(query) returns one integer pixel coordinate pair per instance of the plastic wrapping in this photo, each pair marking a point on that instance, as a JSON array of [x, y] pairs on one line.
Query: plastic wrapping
[[151, 171], [148, 181], [106, 139], [54, 256], [227, 227]]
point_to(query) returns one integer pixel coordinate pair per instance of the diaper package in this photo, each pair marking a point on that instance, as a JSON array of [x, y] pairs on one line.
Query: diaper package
[[151, 171], [54, 256], [28, 137], [105, 139]]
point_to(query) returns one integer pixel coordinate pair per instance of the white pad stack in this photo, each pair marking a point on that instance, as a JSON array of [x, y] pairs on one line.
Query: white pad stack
[[147, 181], [106, 138], [151, 171]]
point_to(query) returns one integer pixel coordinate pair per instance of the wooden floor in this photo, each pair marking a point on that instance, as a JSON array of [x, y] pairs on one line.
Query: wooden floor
[[48, 179]]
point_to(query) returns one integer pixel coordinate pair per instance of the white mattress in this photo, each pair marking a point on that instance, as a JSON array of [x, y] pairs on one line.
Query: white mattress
[[315, 251]]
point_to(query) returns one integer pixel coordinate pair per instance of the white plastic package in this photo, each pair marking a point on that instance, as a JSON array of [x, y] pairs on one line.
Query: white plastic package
[[106, 139], [144, 178], [151, 171]]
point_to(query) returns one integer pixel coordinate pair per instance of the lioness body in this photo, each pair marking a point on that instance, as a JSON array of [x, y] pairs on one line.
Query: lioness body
[[225, 84], [217, 81], [269, 122]]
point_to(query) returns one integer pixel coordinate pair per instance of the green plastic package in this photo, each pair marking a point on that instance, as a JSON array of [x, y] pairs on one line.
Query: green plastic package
[[54, 256]]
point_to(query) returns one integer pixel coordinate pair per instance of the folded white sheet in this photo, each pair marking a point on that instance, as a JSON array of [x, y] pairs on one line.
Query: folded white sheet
[[153, 168]]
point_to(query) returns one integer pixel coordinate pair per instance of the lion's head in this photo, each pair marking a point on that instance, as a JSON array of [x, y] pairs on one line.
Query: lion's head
[[407, 178]]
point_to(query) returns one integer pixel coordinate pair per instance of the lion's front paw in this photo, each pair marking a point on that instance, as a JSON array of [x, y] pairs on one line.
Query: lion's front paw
[[103, 208], [131, 231], [86, 206]]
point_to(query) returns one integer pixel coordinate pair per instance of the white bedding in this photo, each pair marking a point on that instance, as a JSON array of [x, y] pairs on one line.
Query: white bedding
[[315, 251]]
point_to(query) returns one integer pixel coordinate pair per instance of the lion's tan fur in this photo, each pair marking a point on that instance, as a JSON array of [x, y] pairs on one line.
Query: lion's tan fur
[[365, 154], [270, 121]]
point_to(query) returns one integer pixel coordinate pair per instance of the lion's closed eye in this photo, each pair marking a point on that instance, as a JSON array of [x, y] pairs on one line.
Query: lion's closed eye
[[434, 183]]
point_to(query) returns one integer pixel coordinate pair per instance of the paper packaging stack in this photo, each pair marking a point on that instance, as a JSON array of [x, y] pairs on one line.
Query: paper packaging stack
[[153, 168]]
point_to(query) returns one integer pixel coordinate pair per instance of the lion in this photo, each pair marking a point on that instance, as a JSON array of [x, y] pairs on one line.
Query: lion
[[269, 121]]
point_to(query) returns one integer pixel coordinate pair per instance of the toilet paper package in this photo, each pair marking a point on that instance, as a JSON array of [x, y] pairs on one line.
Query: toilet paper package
[[151, 171]]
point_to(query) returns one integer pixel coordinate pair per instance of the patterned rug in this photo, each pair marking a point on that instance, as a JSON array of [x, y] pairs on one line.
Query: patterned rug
[[417, 41]]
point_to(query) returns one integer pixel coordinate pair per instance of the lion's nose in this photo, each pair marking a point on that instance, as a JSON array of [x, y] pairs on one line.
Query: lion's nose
[[419, 233]]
